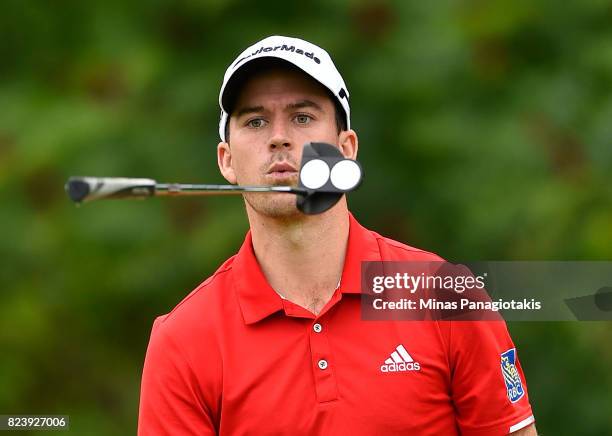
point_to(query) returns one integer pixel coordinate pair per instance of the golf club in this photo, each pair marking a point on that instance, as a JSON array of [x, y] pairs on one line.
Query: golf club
[[325, 175]]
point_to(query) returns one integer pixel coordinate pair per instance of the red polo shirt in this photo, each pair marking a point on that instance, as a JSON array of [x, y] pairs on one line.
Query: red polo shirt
[[234, 358]]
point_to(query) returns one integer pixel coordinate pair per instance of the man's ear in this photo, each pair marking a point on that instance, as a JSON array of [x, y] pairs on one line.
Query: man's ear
[[348, 143], [224, 160]]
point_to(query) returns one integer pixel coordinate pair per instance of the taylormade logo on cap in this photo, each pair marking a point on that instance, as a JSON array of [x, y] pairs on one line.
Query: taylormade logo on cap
[[309, 58], [281, 47]]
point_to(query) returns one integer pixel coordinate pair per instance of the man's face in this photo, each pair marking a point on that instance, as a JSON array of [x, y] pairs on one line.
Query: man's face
[[276, 113]]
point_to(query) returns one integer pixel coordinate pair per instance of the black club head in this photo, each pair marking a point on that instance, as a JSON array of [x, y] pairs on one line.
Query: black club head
[[326, 175]]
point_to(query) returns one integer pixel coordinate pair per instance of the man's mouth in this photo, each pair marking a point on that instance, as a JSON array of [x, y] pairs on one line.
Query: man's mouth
[[282, 172]]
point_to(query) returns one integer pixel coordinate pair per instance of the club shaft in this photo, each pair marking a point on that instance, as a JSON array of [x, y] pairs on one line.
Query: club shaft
[[95, 188], [172, 189]]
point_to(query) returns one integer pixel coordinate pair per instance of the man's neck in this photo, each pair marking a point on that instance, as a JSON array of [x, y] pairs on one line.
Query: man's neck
[[302, 259]]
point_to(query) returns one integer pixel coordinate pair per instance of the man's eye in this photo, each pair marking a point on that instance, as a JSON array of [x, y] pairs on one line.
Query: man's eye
[[303, 119], [256, 123]]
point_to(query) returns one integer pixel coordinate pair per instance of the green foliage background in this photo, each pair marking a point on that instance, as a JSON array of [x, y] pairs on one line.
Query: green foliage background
[[487, 125]]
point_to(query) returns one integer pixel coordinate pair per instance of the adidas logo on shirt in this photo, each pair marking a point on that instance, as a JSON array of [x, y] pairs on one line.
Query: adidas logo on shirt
[[400, 361]]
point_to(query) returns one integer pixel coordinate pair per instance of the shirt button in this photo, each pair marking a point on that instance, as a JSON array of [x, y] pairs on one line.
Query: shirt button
[[322, 364], [317, 328]]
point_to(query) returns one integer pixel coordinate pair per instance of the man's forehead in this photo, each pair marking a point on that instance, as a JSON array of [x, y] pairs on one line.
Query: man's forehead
[[278, 83], [287, 101]]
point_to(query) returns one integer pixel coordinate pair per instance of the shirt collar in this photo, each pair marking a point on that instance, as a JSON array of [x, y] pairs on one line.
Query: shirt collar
[[258, 300]]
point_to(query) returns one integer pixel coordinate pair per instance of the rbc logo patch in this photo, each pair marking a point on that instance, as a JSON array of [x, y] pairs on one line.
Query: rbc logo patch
[[514, 387]]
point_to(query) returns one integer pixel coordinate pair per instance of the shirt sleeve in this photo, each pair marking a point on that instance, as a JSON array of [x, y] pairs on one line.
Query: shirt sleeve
[[170, 402], [488, 385]]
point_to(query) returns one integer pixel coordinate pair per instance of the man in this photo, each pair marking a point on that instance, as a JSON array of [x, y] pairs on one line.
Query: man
[[273, 342]]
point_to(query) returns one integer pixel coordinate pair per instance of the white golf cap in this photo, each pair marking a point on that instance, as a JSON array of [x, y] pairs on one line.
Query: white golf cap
[[311, 59]]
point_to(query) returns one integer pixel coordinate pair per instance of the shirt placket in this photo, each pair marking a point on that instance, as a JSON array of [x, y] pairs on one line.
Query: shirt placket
[[322, 363]]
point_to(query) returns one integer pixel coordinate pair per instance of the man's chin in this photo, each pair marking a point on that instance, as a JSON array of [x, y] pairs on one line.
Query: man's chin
[[273, 205]]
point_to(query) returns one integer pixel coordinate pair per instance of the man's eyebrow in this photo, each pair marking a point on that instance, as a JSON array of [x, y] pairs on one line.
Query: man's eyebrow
[[249, 110], [301, 104], [304, 104]]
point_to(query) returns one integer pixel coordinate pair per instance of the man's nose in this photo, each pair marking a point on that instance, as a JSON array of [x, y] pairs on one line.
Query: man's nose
[[280, 137]]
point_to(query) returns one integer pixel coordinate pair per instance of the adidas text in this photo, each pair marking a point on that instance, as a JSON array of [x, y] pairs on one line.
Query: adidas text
[[400, 367]]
